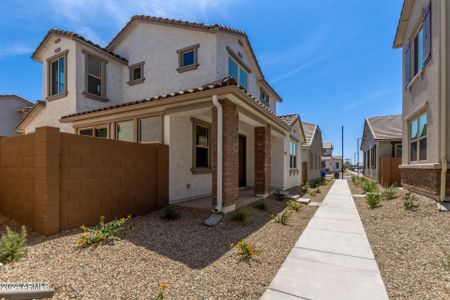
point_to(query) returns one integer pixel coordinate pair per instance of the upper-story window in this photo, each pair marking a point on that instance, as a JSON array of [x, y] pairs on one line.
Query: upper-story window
[[418, 138], [188, 58], [418, 50], [95, 77], [264, 97], [237, 72], [136, 73], [57, 76]]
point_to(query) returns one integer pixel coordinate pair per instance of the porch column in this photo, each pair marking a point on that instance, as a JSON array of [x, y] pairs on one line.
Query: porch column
[[230, 167], [262, 160]]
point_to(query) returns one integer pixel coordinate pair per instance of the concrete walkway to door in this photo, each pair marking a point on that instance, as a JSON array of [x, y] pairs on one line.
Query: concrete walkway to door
[[332, 259]]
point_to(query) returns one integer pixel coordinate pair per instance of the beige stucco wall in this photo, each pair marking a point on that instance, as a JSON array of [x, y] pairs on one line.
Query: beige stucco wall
[[10, 115], [314, 169], [292, 179], [277, 161]]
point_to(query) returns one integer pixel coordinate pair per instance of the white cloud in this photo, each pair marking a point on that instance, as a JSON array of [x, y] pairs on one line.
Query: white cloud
[[15, 49], [366, 100]]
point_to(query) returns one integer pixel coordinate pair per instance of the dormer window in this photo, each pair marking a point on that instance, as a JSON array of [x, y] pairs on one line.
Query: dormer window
[[57, 76], [188, 58], [95, 77], [264, 97], [136, 73]]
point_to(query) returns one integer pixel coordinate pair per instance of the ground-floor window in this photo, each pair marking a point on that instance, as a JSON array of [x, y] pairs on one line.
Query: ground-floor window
[[293, 155], [125, 131], [374, 157], [201, 158], [150, 129], [99, 132], [418, 138]]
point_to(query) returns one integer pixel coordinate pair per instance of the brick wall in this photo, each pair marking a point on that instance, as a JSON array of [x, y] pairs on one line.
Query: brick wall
[[262, 160], [422, 181], [55, 181]]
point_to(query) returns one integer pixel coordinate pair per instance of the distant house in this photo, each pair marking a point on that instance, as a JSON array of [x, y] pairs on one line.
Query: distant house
[[327, 156], [382, 139], [422, 34], [311, 152], [12, 110]]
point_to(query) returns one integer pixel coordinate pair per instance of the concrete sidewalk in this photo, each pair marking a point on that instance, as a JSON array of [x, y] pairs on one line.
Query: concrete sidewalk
[[332, 259]]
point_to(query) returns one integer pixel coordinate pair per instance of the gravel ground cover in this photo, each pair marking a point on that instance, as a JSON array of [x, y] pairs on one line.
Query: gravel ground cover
[[411, 247], [194, 260], [317, 197]]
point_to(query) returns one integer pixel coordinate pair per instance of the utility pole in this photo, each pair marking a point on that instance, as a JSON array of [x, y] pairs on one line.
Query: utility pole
[[342, 163]]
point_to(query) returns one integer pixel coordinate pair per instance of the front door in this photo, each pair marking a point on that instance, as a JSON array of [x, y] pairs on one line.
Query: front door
[[242, 161], [304, 172]]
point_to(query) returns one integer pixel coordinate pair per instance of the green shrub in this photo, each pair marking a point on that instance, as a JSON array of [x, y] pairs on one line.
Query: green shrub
[[240, 216], [170, 213], [304, 189], [13, 245], [245, 249], [409, 201], [283, 218], [102, 232], [390, 191], [369, 186], [316, 182], [373, 199], [294, 205], [312, 193], [261, 205]]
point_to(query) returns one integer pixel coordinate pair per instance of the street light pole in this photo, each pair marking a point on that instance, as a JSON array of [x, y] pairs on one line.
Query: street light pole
[[342, 163]]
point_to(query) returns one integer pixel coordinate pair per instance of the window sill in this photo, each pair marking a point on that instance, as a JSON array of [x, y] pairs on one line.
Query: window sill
[[187, 68], [201, 171], [415, 79], [135, 82], [57, 96], [95, 97]]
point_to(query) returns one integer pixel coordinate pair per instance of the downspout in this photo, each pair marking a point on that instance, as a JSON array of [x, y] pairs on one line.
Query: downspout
[[215, 100], [443, 99]]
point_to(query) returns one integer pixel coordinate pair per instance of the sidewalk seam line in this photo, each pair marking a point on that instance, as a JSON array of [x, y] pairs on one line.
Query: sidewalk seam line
[[323, 251], [286, 293]]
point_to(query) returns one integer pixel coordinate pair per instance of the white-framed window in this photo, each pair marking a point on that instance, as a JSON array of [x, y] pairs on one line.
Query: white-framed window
[[293, 155], [418, 138], [237, 72], [201, 142], [97, 131], [125, 131], [150, 129]]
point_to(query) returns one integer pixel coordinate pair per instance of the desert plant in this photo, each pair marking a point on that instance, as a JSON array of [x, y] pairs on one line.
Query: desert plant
[[369, 186], [316, 182], [409, 201], [373, 199], [245, 249], [312, 193], [282, 218], [390, 191], [13, 245], [292, 205], [240, 216], [161, 289], [170, 213], [102, 232], [261, 205]]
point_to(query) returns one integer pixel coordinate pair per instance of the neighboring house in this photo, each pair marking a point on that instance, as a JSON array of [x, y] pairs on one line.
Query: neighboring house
[[382, 139], [311, 152], [326, 157], [12, 110], [197, 88], [336, 163], [422, 33]]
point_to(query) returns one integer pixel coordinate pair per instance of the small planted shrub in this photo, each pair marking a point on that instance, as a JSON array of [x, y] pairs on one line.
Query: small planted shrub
[[170, 213], [316, 182], [245, 249], [312, 193], [283, 218], [240, 216], [102, 232], [304, 189], [292, 205], [161, 289], [13, 245], [409, 201], [373, 199], [369, 186], [390, 192], [261, 205]]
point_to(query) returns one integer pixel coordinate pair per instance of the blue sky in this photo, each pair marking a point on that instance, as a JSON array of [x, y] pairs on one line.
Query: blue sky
[[331, 60]]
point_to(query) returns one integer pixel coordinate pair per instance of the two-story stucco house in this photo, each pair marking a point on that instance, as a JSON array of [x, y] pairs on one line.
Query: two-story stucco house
[[197, 88], [423, 34], [382, 140], [311, 152], [12, 110], [327, 157]]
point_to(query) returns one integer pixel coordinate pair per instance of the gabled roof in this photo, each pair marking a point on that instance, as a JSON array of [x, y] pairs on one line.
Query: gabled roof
[[193, 26], [15, 97], [76, 37], [327, 145], [289, 120], [385, 127], [35, 108], [310, 131], [403, 23]]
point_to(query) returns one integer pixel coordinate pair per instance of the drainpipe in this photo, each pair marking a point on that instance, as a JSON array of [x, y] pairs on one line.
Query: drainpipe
[[443, 99], [215, 100]]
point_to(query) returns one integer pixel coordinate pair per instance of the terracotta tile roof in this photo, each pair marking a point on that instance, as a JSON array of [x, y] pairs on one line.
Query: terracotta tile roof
[[309, 130], [327, 145], [227, 81], [78, 37], [193, 25], [386, 127], [289, 120]]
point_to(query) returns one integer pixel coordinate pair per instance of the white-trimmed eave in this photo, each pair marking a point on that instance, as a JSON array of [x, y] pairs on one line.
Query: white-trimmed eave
[[20, 128], [403, 23]]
